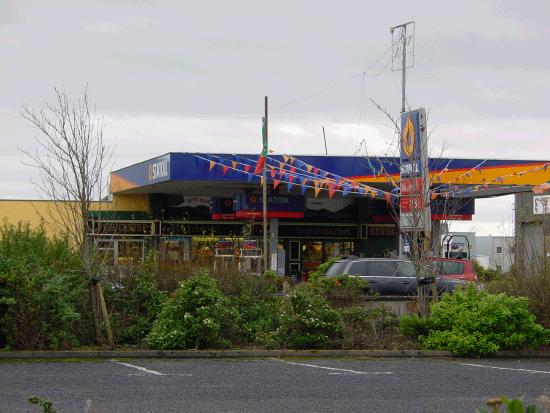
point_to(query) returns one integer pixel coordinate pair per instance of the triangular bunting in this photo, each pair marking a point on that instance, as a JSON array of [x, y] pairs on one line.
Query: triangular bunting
[[276, 183], [212, 164], [259, 165], [234, 164], [224, 169], [331, 191]]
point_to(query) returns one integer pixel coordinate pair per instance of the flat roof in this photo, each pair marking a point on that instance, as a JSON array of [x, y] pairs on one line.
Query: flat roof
[[180, 172]]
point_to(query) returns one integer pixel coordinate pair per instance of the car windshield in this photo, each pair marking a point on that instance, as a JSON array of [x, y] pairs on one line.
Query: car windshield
[[337, 268], [449, 267]]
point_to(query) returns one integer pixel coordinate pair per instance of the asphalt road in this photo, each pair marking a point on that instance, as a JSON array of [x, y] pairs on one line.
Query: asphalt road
[[270, 385]]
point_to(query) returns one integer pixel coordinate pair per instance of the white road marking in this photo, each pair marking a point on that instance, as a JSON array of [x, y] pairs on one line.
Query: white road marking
[[503, 368], [132, 366], [336, 369]]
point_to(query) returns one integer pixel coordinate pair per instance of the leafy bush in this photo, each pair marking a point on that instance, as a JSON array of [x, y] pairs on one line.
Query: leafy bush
[[308, 321], [40, 289], [197, 315], [258, 308], [535, 285], [342, 290], [322, 269], [476, 322], [486, 274], [510, 406], [376, 328], [134, 303]]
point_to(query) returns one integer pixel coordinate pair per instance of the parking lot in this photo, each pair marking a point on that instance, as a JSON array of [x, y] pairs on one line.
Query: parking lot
[[304, 384]]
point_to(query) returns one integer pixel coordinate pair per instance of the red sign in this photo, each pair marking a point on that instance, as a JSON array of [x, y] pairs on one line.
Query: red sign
[[270, 214], [453, 217], [412, 203], [410, 186]]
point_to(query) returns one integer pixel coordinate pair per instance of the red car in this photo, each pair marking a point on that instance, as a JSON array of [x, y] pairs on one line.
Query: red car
[[451, 268]]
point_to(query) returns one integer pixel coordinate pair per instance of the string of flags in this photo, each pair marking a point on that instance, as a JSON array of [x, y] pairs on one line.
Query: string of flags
[[293, 172]]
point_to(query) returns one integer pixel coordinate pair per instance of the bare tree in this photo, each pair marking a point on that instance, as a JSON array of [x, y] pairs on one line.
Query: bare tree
[[72, 159], [421, 246]]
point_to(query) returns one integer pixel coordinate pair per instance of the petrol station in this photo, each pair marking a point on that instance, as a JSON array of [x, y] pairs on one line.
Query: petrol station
[[208, 207]]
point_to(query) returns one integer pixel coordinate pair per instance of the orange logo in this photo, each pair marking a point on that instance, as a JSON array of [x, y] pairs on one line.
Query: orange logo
[[408, 138]]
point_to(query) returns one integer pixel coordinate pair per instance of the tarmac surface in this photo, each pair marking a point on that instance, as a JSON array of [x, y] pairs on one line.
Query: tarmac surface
[[270, 385]]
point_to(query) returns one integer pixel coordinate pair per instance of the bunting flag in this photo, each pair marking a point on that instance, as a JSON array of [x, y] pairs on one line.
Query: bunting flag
[[316, 187], [331, 191], [285, 157], [259, 165], [540, 189], [300, 173]]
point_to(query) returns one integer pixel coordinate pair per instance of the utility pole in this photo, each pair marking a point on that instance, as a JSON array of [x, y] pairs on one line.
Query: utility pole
[[264, 189], [402, 65]]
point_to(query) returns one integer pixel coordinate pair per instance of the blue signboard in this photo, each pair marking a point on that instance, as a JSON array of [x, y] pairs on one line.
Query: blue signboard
[[411, 144]]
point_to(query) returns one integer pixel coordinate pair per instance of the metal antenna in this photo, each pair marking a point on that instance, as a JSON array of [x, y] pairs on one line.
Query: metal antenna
[[325, 138], [403, 47]]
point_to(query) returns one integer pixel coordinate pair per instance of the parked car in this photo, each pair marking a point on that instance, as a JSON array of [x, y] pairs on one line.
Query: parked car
[[454, 268], [389, 276]]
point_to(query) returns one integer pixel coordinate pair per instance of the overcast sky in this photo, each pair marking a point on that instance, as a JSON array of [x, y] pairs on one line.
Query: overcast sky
[[191, 76]]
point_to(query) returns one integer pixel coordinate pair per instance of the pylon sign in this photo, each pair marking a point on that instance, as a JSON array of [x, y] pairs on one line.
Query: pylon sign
[[414, 201]]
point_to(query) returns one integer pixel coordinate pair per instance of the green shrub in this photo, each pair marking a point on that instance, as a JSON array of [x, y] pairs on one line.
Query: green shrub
[[40, 290], [472, 322], [376, 328], [197, 315], [342, 290], [258, 308], [134, 303], [321, 269], [510, 406], [307, 321]]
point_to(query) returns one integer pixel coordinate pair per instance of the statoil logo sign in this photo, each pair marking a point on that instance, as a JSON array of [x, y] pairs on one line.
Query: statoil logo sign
[[158, 169]]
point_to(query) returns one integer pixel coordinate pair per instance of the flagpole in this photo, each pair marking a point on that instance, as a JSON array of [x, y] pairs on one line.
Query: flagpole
[[264, 193]]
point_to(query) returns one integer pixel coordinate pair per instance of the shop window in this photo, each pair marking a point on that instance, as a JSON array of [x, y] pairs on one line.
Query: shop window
[[129, 252], [499, 250], [338, 249]]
